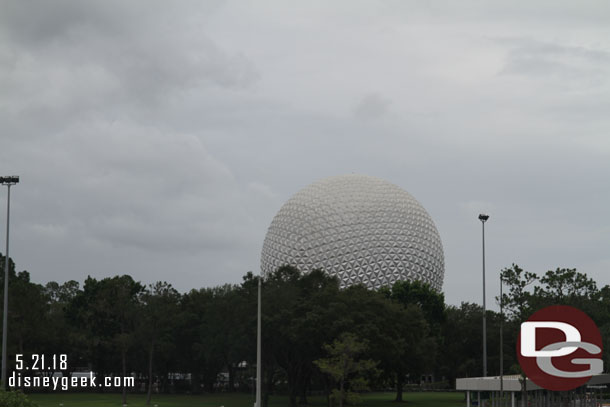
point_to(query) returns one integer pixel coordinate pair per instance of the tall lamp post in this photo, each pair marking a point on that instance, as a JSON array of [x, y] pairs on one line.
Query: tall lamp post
[[8, 181], [258, 346], [483, 218], [501, 344]]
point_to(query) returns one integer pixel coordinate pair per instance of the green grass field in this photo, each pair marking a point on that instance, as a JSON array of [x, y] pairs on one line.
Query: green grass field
[[427, 399]]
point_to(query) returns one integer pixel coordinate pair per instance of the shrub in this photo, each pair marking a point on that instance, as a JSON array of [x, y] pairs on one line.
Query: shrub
[[15, 399]]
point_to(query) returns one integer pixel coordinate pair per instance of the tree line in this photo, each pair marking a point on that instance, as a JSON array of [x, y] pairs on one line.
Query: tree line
[[316, 337]]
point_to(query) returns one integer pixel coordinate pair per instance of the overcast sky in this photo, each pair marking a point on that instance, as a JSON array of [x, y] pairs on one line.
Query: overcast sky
[[159, 139]]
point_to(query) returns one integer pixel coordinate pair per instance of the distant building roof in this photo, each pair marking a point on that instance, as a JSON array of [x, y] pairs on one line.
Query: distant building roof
[[513, 383]]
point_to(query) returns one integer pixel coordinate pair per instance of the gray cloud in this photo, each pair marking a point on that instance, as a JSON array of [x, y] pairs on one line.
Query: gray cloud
[[371, 106], [580, 64], [159, 139]]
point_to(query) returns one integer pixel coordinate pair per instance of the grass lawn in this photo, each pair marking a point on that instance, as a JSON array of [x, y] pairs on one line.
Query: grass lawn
[[428, 399]]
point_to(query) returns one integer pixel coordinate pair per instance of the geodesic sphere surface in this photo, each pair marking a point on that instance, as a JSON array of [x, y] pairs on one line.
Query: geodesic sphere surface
[[361, 229]]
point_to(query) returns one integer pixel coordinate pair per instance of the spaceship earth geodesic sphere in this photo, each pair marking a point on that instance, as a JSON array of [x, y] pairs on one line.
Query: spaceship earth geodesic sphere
[[361, 229]]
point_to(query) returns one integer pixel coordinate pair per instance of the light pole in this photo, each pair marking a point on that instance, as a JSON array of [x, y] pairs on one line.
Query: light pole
[[501, 344], [8, 181], [483, 218], [258, 346]]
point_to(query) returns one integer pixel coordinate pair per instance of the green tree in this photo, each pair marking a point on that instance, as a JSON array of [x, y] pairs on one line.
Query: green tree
[[568, 287], [461, 354], [347, 369], [562, 286], [297, 320], [107, 311], [160, 315], [216, 333], [62, 336], [430, 301], [599, 311], [27, 312], [425, 339], [517, 303]]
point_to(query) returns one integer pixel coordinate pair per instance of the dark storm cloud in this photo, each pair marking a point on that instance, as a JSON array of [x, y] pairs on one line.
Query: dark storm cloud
[[78, 56]]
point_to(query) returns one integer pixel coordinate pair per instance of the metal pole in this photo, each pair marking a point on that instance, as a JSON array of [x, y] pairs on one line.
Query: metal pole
[[501, 343], [258, 347], [5, 310], [484, 310]]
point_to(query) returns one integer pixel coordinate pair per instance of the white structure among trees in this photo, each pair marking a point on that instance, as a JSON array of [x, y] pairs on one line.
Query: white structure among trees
[[361, 229]]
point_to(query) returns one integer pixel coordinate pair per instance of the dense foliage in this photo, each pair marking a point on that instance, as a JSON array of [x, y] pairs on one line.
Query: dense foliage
[[15, 399], [204, 340]]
